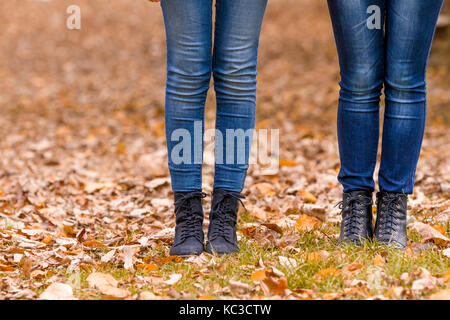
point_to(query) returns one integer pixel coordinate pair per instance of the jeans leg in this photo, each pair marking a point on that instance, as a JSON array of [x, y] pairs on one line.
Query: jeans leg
[[189, 65], [410, 27], [238, 27], [361, 59]]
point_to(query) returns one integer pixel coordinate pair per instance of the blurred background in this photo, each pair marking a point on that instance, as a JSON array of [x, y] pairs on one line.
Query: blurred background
[[87, 105]]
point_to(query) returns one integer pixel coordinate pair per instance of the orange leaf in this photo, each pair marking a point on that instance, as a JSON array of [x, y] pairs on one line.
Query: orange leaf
[[325, 273], [206, 298], [447, 276], [378, 261], [441, 229], [307, 223], [92, 244], [258, 275], [353, 267], [307, 196], [47, 239], [6, 268], [147, 267], [287, 163]]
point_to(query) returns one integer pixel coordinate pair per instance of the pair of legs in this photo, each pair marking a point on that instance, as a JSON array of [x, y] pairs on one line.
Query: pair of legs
[[371, 56], [191, 59], [381, 43]]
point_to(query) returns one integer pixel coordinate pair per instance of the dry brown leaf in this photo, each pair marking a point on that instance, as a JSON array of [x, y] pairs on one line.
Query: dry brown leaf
[[307, 196], [107, 285], [173, 278], [353, 267], [307, 223], [57, 291], [264, 189], [443, 294], [92, 187], [92, 244], [428, 233]]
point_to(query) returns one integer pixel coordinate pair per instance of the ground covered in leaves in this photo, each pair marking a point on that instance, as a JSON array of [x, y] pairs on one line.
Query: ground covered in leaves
[[85, 202]]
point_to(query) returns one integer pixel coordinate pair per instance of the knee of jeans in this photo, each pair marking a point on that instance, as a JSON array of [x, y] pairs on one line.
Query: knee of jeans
[[361, 87], [236, 81], [185, 84], [405, 88]]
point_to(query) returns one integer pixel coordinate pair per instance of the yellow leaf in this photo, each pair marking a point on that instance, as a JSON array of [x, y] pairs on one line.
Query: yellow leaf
[[206, 298]]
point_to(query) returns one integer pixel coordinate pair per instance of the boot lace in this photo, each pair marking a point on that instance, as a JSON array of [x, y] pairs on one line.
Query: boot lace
[[224, 216], [388, 222], [187, 218], [351, 213]]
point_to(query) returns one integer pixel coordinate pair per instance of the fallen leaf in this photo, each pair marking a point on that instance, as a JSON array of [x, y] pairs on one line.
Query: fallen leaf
[[264, 189], [447, 276], [307, 196], [378, 261], [429, 233], [258, 275], [307, 223], [325, 273], [147, 267], [57, 291], [173, 278], [107, 285], [443, 294], [353, 267], [288, 262], [317, 256], [128, 253]]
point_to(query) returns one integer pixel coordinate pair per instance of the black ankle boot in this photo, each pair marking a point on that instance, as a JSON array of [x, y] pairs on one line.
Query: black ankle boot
[[222, 237], [356, 223], [390, 227], [189, 236]]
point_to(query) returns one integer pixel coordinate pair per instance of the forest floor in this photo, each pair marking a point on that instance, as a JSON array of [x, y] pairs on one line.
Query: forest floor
[[85, 201]]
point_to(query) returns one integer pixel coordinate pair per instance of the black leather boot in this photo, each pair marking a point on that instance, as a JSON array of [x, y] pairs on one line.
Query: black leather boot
[[356, 226], [189, 237], [222, 237], [390, 227]]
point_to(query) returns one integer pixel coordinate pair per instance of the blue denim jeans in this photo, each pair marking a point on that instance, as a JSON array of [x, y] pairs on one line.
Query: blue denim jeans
[[393, 54], [191, 59]]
